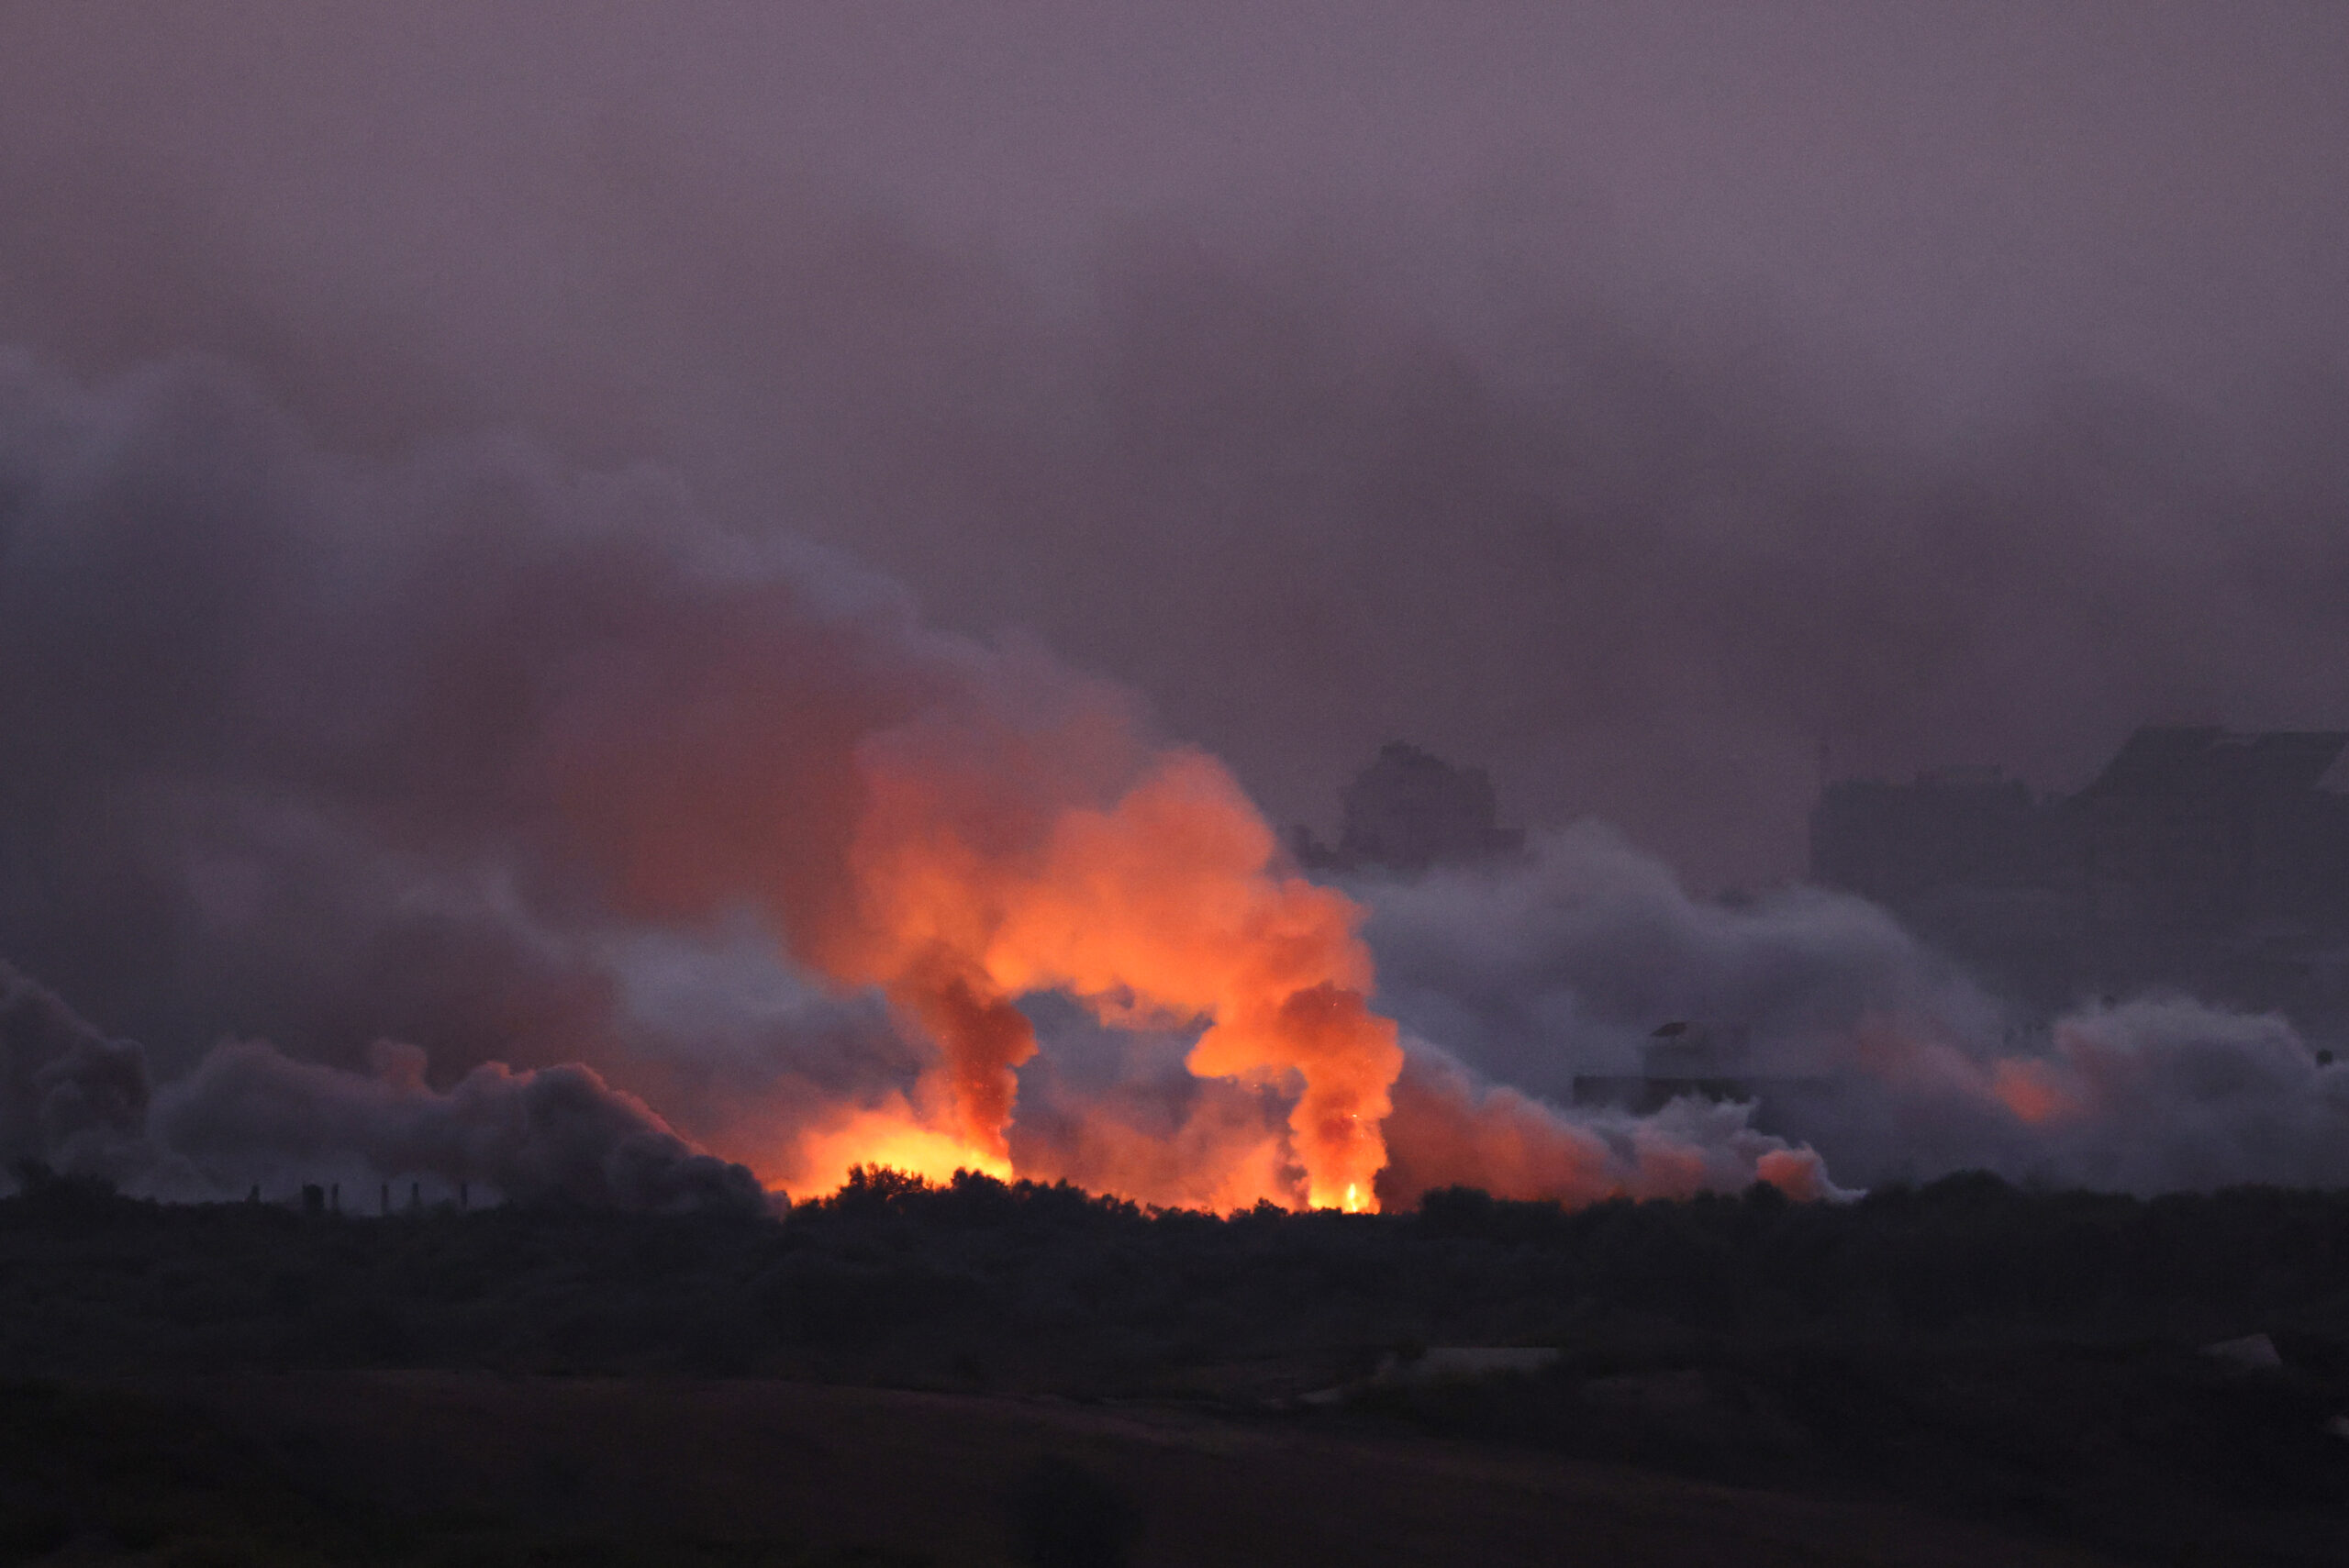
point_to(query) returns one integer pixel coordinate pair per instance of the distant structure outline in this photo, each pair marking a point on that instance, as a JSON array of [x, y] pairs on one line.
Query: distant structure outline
[[1409, 811], [2200, 859]]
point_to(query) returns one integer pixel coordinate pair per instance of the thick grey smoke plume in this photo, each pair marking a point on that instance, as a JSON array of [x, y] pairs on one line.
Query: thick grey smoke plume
[[69, 1096], [248, 1111], [1565, 963], [541, 769], [1851, 1037], [75, 1101], [326, 751], [531, 768]]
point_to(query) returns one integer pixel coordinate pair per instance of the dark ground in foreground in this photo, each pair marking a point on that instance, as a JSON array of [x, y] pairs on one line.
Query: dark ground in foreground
[[1959, 1375], [417, 1468]]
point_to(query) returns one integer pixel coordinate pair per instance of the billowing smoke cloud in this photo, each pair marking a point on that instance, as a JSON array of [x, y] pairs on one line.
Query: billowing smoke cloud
[[416, 746], [1563, 965], [1447, 1130], [69, 1096], [675, 847], [1849, 1038], [539, 769], [2150, 1095], [72, 1100], [247, 1111]]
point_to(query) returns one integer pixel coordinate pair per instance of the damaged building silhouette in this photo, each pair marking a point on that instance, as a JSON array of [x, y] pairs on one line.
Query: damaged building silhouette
[[2199, 858], [1409, 811]]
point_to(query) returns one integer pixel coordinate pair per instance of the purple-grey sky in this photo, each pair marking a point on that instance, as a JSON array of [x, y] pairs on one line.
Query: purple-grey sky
[[1628, 396]]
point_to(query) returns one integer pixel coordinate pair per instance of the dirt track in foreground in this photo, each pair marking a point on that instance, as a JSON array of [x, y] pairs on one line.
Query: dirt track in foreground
[[930, 1473]]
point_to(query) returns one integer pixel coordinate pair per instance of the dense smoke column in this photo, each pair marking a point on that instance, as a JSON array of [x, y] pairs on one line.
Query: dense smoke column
[[312, 707]]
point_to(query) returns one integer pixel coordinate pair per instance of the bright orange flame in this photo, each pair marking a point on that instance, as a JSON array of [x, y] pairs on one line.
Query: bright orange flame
[[888, 1137], [1166, 906]]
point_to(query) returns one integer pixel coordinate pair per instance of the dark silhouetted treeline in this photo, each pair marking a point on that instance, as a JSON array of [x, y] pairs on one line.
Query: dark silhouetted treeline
[[2037, 1358], [977, 1279]]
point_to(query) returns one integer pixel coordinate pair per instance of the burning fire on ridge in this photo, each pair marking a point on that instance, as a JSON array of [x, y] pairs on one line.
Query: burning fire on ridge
[[1144, 885], [630, 724], [1162, 908]]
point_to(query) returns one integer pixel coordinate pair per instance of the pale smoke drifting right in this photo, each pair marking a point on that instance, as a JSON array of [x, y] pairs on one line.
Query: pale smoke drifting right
[[251, 1118], [1864, 1045]]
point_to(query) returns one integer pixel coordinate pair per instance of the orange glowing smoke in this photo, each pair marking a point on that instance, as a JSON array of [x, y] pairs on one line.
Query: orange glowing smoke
[[1164, 907], [1448, 1130], [2035, 1091], [959, 828]]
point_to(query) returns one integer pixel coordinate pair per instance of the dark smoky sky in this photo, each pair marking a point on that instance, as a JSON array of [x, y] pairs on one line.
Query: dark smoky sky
[[1632, 397]]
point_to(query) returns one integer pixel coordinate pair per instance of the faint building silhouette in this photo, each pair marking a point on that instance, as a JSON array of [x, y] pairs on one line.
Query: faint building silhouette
[[2198, 830], [2200, 857], [1958, 825], [1411, 810]]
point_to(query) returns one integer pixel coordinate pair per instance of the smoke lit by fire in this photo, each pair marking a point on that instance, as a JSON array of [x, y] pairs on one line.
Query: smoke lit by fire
[[435, 776], [1162, 907]]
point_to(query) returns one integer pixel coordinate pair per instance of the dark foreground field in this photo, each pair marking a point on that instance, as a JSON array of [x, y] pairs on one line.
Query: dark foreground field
[[1960, 1375], [470, 1468]]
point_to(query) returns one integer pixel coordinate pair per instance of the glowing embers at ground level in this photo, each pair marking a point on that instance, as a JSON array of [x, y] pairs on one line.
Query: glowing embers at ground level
[[888, 1137], [1230, 1153]]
